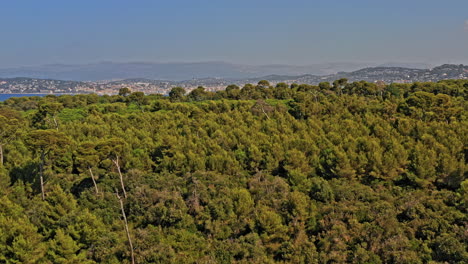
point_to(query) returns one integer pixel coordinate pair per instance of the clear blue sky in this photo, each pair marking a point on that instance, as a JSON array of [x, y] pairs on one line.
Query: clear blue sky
[[35, 32]]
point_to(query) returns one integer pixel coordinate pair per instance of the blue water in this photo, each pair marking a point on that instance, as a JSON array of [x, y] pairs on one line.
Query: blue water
[[3, 97]]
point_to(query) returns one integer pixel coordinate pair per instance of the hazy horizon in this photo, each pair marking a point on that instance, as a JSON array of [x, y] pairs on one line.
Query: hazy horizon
[[373, 63], [258, 32]]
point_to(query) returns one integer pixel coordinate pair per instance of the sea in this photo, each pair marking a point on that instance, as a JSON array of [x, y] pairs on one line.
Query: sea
[[3, 97]]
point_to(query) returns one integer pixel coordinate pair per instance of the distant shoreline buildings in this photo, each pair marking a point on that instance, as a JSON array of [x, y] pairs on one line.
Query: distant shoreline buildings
[[376, 74]]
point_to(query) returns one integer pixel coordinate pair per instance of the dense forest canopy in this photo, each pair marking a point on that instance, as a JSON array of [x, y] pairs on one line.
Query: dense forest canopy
[[344, 172]]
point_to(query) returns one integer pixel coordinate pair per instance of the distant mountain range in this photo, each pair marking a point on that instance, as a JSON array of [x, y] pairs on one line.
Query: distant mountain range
[[370, 74], [182, 71], [373, 74]]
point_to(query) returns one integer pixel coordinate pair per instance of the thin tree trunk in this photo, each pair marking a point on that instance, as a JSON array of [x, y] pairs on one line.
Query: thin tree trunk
[[116, 162], [94, 181], [263, 110], [41, 174], [1, 155], [55, 122], [126, 228]]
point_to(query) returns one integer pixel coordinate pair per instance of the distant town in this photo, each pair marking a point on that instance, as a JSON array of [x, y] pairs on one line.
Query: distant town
[[375, 74]]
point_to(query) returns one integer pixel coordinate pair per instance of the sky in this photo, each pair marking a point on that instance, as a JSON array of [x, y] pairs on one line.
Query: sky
[[295, 32]]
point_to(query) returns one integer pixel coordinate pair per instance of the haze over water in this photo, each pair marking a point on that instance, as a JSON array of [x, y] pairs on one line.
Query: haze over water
[[4, 97]]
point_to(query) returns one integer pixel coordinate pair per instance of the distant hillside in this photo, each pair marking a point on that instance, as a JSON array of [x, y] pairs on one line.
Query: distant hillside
[[372, 74]]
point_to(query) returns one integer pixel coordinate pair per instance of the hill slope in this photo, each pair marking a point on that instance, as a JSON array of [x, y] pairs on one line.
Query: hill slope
[[352, 173]]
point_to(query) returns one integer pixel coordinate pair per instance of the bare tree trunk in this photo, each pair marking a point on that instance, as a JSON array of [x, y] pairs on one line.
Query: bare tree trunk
[[55, 122], [41, 174], [263, 110], [94, 181], [116, 162], [126, 228], [1, 155]]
